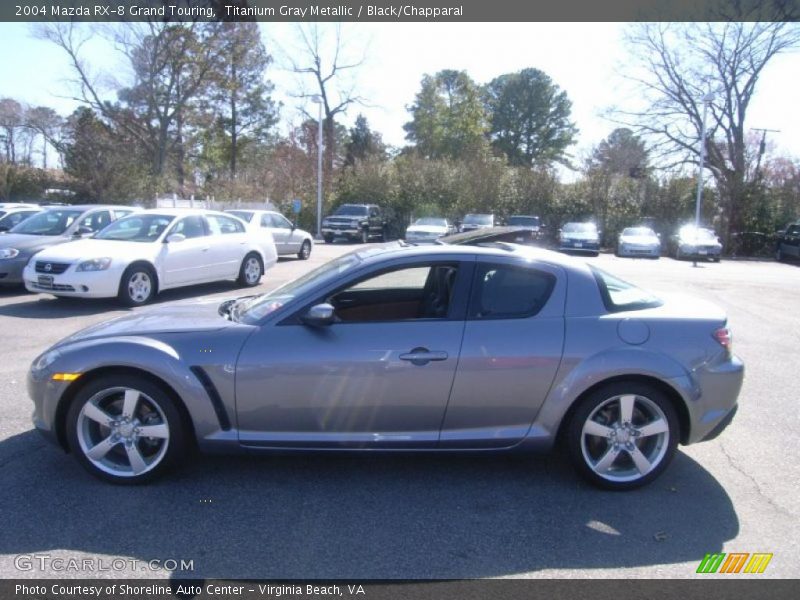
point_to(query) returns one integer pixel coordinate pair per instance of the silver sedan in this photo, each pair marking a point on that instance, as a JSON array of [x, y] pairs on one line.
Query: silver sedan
[[393, 348]]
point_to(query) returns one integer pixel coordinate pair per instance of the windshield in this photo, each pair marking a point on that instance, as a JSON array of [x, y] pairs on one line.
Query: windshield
[[351, 209], [244, 215], [431, 221], [136, 228], [478, 219], [639, 231], [579, 228], [619, 295], [252, 309], [698, 234], [50, 222], [529, 221]]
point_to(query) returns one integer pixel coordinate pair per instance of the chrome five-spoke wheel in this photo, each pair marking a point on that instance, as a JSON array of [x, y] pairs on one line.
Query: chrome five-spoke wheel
[[124, 429], [623, 436]]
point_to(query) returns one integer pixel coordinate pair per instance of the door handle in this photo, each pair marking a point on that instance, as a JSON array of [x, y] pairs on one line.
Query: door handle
[[422, 356]]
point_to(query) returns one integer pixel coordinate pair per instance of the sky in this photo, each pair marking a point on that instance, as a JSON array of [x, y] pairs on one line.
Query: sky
[[584, 59]]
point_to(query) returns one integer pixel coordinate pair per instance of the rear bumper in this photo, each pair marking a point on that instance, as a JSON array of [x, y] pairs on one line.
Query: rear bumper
[[592, 247], [715, 402], [639, 251]]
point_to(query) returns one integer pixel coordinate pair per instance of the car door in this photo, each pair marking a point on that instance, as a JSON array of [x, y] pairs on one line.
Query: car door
[[791, 244], [228, 239], [512, 348], [286, 239], [379, 376], [185, 262]]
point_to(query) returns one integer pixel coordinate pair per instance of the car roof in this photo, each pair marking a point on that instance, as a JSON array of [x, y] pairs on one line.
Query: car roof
[[180, 212], [85, 207], [497, 249]]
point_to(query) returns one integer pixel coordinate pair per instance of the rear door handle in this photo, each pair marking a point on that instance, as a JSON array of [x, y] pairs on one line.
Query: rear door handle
[[422, 356]]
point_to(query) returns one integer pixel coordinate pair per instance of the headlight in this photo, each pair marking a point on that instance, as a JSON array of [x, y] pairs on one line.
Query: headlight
[[45, 360], [95, 264], [9, 252]]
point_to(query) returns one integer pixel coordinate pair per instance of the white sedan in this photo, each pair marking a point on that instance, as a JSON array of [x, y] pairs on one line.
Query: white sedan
[[428, 229], [140, 255], [288, 238]]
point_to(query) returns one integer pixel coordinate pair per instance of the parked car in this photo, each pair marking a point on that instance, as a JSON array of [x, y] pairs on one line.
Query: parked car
[[324, 363], [12, 215], [48, 228], [138, 256], [694, 242], [288, 238], [357, 222], [428, 229], [788, 243], [492, 235], [639, 241], [475, 221], [579, 237], [531, 222]]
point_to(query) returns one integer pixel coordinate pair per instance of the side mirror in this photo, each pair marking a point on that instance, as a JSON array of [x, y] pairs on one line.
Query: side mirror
[[294, 226], [174, 238], [319, 315], [82, 231]]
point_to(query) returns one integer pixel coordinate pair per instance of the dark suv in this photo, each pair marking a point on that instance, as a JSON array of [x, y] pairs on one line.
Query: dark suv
[[355, 222], [788, 244]]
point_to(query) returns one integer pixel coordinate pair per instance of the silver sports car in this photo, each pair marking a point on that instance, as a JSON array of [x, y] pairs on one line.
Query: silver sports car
[[393, 348]]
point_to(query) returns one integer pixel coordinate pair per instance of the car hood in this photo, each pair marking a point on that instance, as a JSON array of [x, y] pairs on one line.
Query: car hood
[[184, 317], [92, 248], [426, 229], [642, 240], [22, 241], [579, 235]]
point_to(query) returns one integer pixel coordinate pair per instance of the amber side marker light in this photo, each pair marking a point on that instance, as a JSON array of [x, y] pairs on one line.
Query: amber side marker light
[[65, 376]]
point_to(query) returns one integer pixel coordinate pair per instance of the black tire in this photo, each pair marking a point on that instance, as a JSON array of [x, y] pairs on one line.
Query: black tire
[[717, 259], [658, 449], [365, 236], [305, 250], [247, 274], [328, 239], [163, 453], [779, 255], [134, 289], [678, 254]]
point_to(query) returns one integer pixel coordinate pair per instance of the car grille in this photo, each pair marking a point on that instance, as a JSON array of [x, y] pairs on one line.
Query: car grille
[[54, 269], [56, 287]]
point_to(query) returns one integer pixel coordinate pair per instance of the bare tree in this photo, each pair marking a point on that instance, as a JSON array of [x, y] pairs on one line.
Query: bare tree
[[323, 60], [681, 64]]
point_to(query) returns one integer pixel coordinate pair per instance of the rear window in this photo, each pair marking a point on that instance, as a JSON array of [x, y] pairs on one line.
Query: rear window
[[509, 292], [619, 295]]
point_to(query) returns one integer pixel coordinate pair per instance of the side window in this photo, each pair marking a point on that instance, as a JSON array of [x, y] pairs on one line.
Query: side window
[[266, 221], [407, 293], [509, 292], [96, 221], [224, 225], [793, 230], [281, 222], [119, 213], [373, 212], [191, 227]]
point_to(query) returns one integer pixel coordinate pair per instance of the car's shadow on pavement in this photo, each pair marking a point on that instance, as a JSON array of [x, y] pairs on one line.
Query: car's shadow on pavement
[[366, 516]]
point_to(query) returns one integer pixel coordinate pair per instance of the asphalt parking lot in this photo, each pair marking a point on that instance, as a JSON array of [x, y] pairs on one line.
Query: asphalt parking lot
[[419, 516]]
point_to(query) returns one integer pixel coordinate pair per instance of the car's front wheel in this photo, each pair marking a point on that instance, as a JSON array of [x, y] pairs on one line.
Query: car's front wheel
[[125, 429], [251, 271], [305, 250], [779, 255], [623, 435], [364, 236], [137, 285]]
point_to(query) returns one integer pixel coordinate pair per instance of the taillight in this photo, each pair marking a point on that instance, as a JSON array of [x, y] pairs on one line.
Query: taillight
[[724, 337]]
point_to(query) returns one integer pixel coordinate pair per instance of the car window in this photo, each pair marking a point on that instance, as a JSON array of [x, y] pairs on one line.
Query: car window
[[509, 292], [143, 227], [244, 215], [96, 221], [122, 212], [221, 225], [619, 295], [191, 227], [49, 222], [400, 294], [793, 230]]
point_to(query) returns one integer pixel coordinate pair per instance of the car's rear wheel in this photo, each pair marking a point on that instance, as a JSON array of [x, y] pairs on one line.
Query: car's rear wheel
[[137, 285], [623, 435], [251, 270], [125, 429], [305, 250], [328, 239]]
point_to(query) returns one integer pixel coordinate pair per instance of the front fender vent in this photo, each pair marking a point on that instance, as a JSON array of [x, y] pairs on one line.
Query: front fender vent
[[213, 395]]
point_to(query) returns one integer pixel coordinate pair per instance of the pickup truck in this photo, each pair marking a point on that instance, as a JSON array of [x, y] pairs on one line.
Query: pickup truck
[[357, 222]]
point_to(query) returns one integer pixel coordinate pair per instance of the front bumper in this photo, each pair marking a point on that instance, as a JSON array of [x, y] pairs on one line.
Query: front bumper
[[88, 284], [45, 394], [11, 270], [335, 230], [579, 246], [629, 250]]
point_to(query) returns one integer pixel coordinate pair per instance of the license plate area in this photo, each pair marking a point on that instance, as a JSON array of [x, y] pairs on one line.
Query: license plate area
[[46, 281]]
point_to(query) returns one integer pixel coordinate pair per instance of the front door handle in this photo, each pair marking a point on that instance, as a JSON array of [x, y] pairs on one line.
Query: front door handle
[[422, 356]]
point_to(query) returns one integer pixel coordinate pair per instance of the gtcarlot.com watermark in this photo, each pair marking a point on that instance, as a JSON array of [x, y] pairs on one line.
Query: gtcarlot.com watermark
[[89, 564]]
